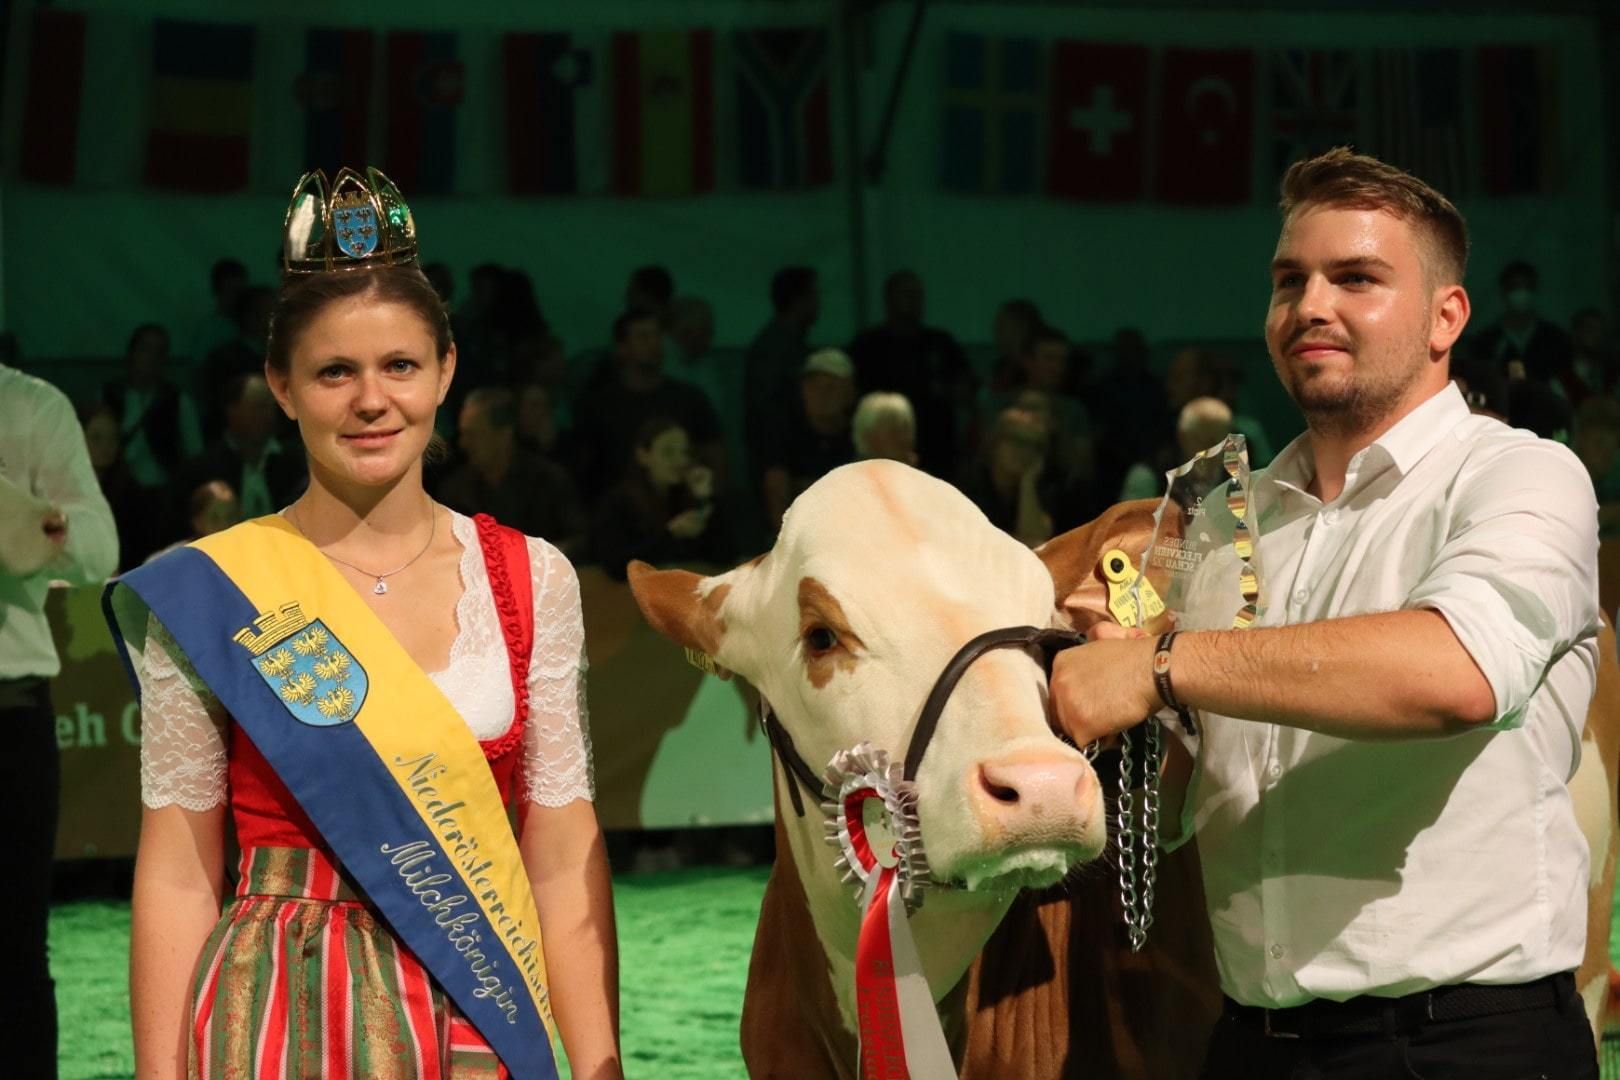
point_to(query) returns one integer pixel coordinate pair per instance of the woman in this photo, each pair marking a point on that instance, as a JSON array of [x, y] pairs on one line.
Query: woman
[[301, 974], [664, 511], [132, 508]]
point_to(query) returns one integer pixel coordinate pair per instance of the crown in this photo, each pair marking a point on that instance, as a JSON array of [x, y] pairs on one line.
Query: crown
[[355, 223], [270, 628]]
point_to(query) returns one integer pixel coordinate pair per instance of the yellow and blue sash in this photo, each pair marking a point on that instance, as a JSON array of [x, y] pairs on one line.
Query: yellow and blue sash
[[385, 768]]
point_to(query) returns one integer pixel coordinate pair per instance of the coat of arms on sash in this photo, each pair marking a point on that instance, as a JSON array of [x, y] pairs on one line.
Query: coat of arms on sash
[[310, 670]]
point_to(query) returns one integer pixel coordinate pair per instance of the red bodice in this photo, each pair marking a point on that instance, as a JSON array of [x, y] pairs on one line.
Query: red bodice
[[264, 811]]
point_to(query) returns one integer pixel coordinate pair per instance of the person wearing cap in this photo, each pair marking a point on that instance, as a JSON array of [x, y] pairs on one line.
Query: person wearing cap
[[815, 437]]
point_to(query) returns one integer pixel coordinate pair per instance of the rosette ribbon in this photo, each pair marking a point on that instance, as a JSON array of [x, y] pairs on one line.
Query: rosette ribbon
[[900, 1034]]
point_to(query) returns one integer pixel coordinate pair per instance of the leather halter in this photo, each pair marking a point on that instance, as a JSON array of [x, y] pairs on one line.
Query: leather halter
[[1049, 641]]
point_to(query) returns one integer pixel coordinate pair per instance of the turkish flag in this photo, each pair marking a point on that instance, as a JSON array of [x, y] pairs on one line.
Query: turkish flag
[[1206, 126], [1097, 121]]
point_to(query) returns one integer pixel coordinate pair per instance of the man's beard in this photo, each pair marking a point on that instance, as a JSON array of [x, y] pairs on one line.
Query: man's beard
[[1352, 404]]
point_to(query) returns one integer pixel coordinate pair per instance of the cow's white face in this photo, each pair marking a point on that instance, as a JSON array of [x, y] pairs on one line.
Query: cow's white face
[[880, 574]]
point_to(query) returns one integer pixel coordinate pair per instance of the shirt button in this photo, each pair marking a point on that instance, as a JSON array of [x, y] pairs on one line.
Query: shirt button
[[1277, 952], [1275, 772], [1301, 595], [1329, 517]]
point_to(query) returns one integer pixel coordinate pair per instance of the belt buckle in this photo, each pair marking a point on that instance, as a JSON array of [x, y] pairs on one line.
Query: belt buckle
[[1276, 1034]]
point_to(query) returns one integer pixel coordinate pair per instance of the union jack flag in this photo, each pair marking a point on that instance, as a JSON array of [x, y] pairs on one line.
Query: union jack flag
[[1314, 102]]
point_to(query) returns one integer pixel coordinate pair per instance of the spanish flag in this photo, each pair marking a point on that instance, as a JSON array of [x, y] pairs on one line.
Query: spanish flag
[[201, 106], [663, 103]]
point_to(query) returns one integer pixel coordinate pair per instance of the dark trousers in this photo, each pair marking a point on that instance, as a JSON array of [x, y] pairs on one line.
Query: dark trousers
[[1550, 1041], [30, 783]]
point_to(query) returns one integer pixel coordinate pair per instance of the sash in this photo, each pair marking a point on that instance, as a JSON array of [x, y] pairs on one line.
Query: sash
[[387, 771]]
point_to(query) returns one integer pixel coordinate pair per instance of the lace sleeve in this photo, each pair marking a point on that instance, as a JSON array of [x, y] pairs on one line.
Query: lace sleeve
[[556, 745], [182, 729]]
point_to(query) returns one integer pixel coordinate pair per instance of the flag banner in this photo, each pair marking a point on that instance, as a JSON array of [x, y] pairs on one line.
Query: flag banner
[[425, 85], [555, 89], [994, 102], [335, 92], [1206, 127], [1097, 137], [201, 106], [784, 132], [50, 125], [1416, 117], [663, 106], [1314, 105], [1518, 105]]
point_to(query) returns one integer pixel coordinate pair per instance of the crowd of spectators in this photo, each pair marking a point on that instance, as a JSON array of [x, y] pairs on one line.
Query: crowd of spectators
[[658, 445]]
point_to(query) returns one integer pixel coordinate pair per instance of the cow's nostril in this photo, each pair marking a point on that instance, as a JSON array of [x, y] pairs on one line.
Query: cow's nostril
[[999, 792]]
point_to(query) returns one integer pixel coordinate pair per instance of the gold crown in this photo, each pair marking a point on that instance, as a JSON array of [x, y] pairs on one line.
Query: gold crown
[[356, 223], [270, 628]]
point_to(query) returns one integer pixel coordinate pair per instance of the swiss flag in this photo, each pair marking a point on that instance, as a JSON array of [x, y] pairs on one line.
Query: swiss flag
[[1096, 125], [1206, 126]]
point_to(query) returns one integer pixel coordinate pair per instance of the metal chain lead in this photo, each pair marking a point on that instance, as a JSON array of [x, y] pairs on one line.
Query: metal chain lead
[[1136, 883]]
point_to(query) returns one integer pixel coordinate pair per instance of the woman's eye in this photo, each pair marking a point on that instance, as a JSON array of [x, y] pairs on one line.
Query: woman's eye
[[335, 371], [820, 640], [401, 365]]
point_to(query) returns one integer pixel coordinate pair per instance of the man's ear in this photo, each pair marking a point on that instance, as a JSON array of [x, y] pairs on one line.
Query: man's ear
[[687, 608], [1073, 558]]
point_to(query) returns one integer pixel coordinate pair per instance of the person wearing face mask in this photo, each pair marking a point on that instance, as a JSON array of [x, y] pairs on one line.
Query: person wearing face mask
[[1523, 343], [386, 700]]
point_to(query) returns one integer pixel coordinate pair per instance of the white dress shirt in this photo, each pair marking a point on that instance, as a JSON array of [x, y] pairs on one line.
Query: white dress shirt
[[42, 451], [1334, 867]]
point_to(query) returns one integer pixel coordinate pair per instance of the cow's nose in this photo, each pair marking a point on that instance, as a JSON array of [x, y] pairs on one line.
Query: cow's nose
[[1046, 796]]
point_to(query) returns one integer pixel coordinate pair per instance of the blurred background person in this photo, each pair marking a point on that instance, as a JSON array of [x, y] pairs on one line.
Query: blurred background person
[[1006, 480], [815, 438], [664, 511], [884, 426], [131, 509], [1203, 422], [265, 474]]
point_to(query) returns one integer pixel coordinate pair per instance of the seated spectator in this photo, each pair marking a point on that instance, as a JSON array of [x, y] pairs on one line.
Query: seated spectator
[[156, 419], [1006, 483], [1204, 422], [1536, 406], [226, 280], [131, 507], [1044, 366], [1521, 342], [1483, 384], [505, 479], [924, 363], [1594, 361], [664, 511], [651, 287], [1597, 444], [884, 426], [691, 329], [1197, 372], [266, 474], [771, 364], [815, 439], [1128, 403], [1016, 321], [609, 414], [537, 429], [211, 508], [243, 354]]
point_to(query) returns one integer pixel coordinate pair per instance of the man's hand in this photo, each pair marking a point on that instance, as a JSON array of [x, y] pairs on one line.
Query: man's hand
[[55, 526], [1106, 685]]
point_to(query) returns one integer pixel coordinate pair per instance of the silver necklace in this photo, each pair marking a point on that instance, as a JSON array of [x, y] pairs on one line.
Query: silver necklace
[[382, 585]]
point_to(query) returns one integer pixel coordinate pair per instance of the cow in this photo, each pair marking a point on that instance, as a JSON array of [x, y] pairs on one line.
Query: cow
[[879, 574]]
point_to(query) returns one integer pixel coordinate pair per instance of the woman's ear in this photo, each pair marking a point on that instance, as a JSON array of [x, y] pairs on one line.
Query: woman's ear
[[277, 381], [447, 372]]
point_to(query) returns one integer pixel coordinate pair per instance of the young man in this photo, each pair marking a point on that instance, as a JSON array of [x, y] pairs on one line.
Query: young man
[[1393, 868]]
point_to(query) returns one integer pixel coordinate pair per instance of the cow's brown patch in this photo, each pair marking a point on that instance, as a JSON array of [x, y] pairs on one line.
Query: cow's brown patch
[[819, 607], [669, 599], [1072, 558]]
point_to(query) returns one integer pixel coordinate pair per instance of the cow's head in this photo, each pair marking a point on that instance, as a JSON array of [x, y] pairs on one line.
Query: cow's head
[[880, 574]]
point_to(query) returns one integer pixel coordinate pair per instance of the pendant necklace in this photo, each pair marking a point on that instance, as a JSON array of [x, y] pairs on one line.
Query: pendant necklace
[[382, 583]]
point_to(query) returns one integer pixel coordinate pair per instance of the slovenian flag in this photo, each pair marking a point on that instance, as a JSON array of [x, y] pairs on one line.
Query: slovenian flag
[[201, 106], [663, 104]]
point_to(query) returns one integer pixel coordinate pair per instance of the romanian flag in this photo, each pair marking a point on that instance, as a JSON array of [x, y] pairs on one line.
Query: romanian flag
[[50, 126], [784, 135], [335, 91], [663, 104], [201, 106], [426, 81], [555, 121]]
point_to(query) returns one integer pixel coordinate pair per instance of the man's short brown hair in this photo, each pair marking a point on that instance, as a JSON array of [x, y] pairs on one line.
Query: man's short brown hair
[[1343, 178]]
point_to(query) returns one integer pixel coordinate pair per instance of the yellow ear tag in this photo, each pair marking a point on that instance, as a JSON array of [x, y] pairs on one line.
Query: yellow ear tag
[[1122, 578], [704, 662]]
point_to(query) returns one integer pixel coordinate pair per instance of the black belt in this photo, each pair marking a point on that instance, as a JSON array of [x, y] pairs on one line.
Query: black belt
[[24, 692], [1390, 1016]]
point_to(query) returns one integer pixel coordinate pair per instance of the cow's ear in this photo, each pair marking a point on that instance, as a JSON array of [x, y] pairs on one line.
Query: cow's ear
[[1072, 558], [681, 605]]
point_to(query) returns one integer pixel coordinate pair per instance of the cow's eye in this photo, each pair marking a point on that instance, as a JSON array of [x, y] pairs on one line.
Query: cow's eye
[[819, 639]]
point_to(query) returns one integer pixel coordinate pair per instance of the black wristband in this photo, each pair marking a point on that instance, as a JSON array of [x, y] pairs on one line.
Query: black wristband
[[1161, 671]]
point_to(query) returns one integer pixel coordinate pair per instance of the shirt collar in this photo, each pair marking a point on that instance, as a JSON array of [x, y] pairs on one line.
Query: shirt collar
[[1402, 446]]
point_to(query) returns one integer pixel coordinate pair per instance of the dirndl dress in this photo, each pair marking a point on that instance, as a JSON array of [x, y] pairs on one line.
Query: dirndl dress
[[301, 978]]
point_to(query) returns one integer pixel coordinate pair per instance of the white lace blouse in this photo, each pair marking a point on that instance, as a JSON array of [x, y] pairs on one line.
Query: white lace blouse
[[183, 724]]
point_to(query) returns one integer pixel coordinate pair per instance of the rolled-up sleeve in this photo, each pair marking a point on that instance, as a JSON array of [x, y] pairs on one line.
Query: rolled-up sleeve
[[67, 480], [1517, 575]]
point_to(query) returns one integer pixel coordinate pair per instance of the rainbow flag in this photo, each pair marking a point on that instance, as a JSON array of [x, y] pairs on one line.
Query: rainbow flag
[[663, 107], [201, 106]]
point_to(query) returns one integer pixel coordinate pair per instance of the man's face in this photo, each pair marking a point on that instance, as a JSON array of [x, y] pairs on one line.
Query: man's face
[[1519, 293], [643, 344], [827, 398], [1047, 365], [1352, 316], [479, 439]]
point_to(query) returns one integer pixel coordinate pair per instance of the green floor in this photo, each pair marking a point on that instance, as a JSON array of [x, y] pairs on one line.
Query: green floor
[[684, 940]]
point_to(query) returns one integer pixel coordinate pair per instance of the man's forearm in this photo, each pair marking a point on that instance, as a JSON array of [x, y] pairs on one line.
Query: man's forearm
[[1393, 675]]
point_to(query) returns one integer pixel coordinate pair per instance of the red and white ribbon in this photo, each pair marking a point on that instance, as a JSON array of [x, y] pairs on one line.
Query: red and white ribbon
[[900, 1034]]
